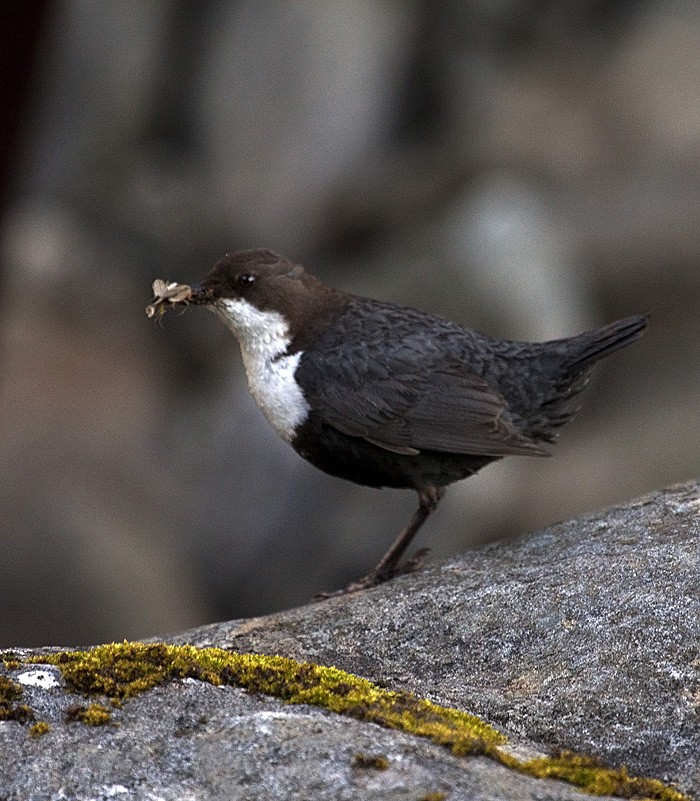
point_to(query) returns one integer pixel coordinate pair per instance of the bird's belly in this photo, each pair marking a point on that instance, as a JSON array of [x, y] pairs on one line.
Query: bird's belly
[[357, 460]]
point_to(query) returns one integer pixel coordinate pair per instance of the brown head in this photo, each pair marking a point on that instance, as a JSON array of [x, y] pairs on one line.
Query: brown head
[[246, 286]]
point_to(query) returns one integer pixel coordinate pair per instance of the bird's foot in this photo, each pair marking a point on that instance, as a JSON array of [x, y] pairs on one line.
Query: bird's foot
[[376, 577], [413, 564]]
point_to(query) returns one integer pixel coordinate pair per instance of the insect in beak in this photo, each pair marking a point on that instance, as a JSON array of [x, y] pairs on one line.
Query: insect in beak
[[165, 295]]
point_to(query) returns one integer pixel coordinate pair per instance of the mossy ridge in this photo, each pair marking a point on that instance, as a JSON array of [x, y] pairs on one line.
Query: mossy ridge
[[591, 776], [125, 670]]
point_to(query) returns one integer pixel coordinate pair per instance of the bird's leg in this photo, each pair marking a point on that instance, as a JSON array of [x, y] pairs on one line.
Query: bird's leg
[[388, 565]]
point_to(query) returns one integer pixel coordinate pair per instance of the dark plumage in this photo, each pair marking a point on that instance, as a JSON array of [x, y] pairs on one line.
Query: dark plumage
[[391, 396], [437, 401]]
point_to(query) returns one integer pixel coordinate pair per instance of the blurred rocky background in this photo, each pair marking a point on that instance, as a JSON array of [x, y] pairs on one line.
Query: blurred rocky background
[[527, 168]]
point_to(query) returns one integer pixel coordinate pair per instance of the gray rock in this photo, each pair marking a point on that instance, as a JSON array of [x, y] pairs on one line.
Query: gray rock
[[195, 741], [583, 636]]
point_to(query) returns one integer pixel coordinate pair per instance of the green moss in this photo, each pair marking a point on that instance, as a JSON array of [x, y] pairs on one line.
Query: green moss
[[40, 728], [10, 693], [373, 761], [593, 777], [92, 714], [125, 670], [96, 715], [10, 660], [597, 779]]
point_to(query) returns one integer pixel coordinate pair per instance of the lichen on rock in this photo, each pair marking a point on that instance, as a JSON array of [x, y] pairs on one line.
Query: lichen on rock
[[121, 671]]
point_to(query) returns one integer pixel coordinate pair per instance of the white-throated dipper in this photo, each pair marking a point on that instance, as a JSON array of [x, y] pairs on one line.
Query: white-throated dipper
[[385, 395]]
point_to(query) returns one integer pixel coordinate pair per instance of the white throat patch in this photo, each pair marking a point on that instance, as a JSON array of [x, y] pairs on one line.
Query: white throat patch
[[263, 337]]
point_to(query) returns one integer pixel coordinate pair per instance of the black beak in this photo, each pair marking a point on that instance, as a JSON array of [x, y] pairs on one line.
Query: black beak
[[199, 293]]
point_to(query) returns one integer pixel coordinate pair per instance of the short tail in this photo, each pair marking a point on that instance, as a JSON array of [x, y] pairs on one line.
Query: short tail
[[570, 362], [600, 343]]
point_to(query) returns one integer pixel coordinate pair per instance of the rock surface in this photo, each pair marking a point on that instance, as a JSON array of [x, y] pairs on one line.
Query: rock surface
[[585, 636]]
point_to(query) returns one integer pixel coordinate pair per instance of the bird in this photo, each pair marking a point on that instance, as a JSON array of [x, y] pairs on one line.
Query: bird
[[385, 395]]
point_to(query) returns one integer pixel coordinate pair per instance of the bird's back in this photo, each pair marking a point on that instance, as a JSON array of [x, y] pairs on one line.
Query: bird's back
[[539, 381]]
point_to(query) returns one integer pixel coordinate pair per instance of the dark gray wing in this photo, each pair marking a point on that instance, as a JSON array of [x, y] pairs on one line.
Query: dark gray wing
[[406, 397]]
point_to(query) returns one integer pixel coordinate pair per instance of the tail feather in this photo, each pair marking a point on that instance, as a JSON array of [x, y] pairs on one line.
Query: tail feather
[[575, 357], [597, 344]]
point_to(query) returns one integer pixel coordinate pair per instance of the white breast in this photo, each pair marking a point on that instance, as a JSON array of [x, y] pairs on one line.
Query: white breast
[[263, 337]]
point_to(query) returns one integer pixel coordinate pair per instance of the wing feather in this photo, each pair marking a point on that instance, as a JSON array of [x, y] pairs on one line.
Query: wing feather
[[406, 397]]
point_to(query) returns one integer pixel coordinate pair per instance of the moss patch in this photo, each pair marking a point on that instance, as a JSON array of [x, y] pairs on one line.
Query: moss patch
[[10, 660], [125, 670], [593, 777], [370, 762], [10, 693], [92, 715], [40, 728]]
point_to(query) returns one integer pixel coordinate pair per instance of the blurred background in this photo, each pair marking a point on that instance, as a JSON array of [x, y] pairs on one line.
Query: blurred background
[[526, 168]]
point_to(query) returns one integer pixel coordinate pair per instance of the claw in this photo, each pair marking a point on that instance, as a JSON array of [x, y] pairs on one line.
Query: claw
[[375, 577]]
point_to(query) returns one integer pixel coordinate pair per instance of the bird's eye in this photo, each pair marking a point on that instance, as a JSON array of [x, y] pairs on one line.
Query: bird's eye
[[246, 279]]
